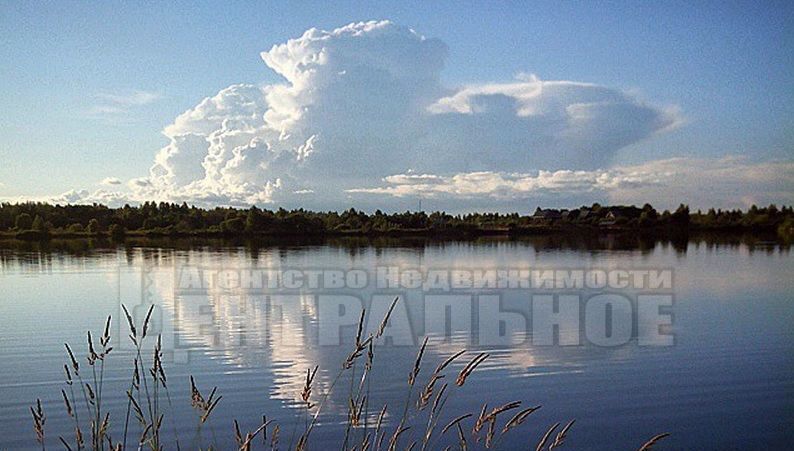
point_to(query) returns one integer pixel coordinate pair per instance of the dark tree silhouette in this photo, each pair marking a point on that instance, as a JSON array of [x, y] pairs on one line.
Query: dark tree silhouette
[[171, 218]]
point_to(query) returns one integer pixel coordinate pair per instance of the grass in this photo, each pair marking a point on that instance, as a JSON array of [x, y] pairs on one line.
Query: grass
[[419, 427]]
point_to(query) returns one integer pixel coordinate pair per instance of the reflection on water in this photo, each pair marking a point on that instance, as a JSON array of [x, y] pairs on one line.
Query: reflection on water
[[731, 321]]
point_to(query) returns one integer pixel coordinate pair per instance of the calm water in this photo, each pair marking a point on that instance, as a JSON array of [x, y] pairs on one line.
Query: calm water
[[726, 382]]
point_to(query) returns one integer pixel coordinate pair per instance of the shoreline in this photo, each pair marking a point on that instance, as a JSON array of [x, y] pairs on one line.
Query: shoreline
[[425, 233]]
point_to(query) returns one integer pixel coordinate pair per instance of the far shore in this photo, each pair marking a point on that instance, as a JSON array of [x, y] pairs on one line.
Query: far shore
[[430, 233], [41, 222]]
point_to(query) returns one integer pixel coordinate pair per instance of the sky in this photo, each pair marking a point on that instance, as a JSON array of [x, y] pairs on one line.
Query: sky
[[462, 105]]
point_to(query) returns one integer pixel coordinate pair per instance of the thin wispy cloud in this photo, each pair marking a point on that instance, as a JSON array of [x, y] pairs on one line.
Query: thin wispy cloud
[[120, 107], [110, 181], [132, 99]]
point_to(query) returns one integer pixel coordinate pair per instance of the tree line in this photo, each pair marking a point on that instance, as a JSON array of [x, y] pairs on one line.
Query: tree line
[[35, 219]]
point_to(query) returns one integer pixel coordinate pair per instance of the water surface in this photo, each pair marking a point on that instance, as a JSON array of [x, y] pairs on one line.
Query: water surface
[[726, 382]]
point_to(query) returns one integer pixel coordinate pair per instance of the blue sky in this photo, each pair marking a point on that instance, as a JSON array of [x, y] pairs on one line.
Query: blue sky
[[88, 87]]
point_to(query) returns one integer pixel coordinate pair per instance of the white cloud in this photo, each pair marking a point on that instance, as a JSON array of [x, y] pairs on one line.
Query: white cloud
[[727, 182], [130, 99], [117, 107], [82, 196], [364, 102], [110, 181], [501, 185], [702, 182]]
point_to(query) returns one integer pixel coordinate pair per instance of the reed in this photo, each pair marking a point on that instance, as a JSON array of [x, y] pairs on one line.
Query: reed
[[38, 422], [650, 443], [546, 436], [469, 368], [148, 384], [560, 439]]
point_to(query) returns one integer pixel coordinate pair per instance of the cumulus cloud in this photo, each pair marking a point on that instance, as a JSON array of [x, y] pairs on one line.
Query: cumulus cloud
[[729, 182], [363, 101], [362, 113]]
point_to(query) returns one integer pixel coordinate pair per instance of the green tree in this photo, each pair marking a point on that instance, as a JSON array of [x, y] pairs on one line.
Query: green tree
[[75, 228], [646, 219], [233, 225], [93, 226], [23, 221], [38, 224], [252, 220], [681, 215], [116, 232]]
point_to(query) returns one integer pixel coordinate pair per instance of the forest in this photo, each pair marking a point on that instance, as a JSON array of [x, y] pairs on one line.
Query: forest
[[34, 220]]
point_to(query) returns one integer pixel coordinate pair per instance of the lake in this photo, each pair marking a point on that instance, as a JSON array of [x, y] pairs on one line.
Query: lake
[[629, 337]]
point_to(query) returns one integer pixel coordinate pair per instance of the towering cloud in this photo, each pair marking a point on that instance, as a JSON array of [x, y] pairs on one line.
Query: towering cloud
[[365, 101]]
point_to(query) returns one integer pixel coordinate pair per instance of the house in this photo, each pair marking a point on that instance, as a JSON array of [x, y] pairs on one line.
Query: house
[[620, 213], [630, 212], [547, 214], [609, 219]]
